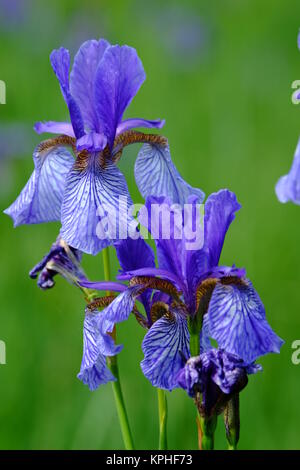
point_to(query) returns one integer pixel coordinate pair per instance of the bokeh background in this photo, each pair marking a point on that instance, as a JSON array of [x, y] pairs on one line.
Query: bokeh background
[[220, 73]]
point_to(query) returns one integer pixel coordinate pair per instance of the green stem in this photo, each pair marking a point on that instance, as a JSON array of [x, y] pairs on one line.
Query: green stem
[[120, 404], [113, 366], [194, 326], [208, 427], [163, 417], [232, 422], [230, 447], [106, 264]]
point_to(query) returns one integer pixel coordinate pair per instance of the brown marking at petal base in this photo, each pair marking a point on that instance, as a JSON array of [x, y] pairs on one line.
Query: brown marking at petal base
[[56, 142], [135, 137], [170, 316], [139, 317], [237, 281], [81, 160], [204, 292], [100, 302], [158, 310], [155, 283]]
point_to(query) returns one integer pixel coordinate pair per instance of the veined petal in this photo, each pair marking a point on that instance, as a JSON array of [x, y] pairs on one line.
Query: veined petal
[[237, 321], [133, 123], [54, 127], [165, 347], [60, 61], [93, 371], [41, 199], [156, 175], [118, 78], [288, 186], [82, 79], [91, 193], [120, 308]]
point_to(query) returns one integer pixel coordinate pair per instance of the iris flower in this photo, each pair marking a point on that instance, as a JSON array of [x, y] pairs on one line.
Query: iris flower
[[288, 186], [187, 283], [103, 81], [217, 376], [61, 259]]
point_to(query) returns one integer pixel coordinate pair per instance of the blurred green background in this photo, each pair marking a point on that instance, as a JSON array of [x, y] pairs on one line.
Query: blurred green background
[[220, 73]]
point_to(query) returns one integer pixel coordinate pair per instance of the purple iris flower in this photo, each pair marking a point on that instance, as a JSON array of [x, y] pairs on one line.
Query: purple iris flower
[[216, 375], [102, 314], [188, 282], [62, 259], [103, 81], [288, 186]]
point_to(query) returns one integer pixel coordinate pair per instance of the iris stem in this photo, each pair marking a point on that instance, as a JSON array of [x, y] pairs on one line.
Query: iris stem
[[120, 404], [205, 426], [163, 417], [230, 447], [208, 427], [113, 366]]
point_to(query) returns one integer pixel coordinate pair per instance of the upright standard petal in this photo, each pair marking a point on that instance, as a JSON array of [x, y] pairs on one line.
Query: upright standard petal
[[82, 79], [288, 186], [91, 193], [118, 79], [156, 175], [93, 370], [41, 199], [134, 254], [54, 127], [164, 222], [165, 347], [237, 321], [220, 211], [60, 61]]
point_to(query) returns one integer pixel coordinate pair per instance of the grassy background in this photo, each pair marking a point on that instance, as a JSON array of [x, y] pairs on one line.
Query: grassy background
[[220, 73]]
